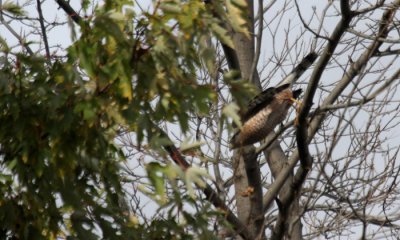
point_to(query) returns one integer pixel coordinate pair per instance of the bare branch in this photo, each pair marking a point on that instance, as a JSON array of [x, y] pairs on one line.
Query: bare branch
[[43, 28]]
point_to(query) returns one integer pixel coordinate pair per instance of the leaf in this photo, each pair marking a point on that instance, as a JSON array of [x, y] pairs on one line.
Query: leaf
[[117, 16], [85, 4], [5, 178], [231, 111], [125, 87], [207, 52], [12, 8], [88, 110], [160, 45], [110, 24], [186, 145], [133, 220], [222, 34], [154, 171], [237, 15], [170, 8], [194, 175], [172, 171], [3, 45]]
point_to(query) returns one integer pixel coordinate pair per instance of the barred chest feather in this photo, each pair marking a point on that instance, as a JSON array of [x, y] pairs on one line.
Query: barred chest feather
[[261, 124]]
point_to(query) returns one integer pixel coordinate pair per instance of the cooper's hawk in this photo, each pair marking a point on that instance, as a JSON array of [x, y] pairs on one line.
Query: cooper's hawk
[[269, 108]]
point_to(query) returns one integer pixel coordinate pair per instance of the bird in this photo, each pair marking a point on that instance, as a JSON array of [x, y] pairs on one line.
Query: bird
[[269, 108]]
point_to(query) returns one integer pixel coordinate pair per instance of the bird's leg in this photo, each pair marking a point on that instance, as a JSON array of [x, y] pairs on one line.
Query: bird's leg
[[297, 107]]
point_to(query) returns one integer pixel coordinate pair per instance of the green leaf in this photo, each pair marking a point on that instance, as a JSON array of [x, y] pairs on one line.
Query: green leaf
[[231, 111], [85, 4], [222, 34], [5, 178], [3, 45], [117, 16], [173, 8], [154, 171], [194, 175], [207, 52], [125, 87], [13, 8], [109, 24]]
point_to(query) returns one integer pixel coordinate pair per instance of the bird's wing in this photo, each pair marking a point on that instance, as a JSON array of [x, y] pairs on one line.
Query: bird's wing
[[261, 101]]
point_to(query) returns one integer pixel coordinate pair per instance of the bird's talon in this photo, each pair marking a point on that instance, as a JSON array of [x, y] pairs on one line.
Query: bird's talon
[[297, 107], [298, 102]]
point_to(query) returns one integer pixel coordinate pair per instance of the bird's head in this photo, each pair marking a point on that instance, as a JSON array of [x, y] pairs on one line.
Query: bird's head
[[297, 92], [284, 93]]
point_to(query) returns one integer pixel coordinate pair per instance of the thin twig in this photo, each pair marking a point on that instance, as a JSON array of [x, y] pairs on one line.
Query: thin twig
[[13, 32], [259, 38]]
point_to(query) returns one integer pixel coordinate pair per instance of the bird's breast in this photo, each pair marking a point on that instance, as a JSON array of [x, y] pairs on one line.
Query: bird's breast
[[261, 124]]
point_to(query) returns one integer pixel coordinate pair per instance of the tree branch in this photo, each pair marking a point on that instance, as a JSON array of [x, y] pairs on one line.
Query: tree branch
[[253, 71], [302, 134], [304, 137], [14, 33], [366, 99], [70, 11], [211, 195], [43, 28], [230, 53]]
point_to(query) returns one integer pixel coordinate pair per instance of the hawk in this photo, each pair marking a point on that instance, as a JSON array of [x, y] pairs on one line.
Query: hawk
[[269, 108]]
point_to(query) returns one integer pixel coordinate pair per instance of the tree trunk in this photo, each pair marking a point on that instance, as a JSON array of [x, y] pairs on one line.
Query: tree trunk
[[248, 191], [245, 49]]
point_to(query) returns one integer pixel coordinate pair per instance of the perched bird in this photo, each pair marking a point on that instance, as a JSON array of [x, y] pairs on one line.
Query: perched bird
[[269, 108]]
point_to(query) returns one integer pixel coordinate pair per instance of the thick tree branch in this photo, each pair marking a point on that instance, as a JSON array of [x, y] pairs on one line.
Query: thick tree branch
[[252, 203], [254, 182], [345, 8], [70, 11]]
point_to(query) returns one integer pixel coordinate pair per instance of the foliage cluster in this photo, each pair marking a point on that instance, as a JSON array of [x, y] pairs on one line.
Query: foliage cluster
[[60, 166]]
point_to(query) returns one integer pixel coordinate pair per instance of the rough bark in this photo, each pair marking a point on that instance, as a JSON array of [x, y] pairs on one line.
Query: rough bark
[[248, 190]]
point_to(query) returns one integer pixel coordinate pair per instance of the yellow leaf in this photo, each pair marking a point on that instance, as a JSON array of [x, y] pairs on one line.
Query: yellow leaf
[[126, 89], [222, 34], [237, 15]]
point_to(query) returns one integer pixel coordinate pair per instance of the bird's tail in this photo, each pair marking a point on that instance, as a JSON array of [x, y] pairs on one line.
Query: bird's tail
[[300, 69]]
